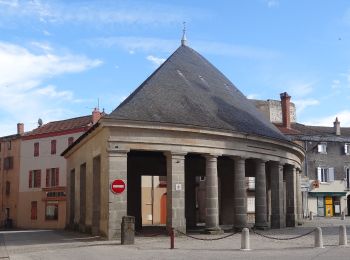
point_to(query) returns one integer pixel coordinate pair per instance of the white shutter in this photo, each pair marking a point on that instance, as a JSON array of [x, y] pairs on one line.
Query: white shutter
[[346, 148], [331, 174], [319, 173], [319, 148]]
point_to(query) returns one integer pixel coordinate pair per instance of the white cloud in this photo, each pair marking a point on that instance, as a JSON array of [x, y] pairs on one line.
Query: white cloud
[[155, 60], [253, 96], [300, 89], [301, 104], [148, 44], [272, 3], [335, 84], [343, 117], [22, 73], [93, 12]]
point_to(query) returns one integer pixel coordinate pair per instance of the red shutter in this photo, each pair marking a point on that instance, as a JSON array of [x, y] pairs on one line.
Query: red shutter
[[30, 178], [47, 177], [57, 177], [53, 146], [39, 178]]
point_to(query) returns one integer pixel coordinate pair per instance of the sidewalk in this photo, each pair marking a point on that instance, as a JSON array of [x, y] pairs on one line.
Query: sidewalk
[[47, 244]]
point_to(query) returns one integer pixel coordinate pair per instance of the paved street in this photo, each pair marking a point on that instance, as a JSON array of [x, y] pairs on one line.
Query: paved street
[[47, 244]]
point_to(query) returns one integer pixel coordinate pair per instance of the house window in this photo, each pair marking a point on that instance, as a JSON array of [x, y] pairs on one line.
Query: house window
[[35, 179], [52, 177], [325, 174], [347, 149], [347, 175], [34, 210], [70, 140], [8, 188], [322, 148], [8, 163], [53, 146], [36, 149], [51, 211], [9, 145]]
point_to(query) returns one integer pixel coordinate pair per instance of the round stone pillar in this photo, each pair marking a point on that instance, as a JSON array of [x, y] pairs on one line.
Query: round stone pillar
[[240, 194], [212, 195], [260, 195], [298, 197]]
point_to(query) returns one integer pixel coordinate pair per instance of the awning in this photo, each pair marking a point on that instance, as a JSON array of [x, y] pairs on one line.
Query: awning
[[327, 193]]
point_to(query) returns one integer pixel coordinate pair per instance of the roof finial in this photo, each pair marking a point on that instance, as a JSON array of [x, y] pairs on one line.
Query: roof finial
[[184, 40]]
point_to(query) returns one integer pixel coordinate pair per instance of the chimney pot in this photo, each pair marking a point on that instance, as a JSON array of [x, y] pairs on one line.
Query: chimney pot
[[96, 115], [20, 128], [336, 124], [285, 104]]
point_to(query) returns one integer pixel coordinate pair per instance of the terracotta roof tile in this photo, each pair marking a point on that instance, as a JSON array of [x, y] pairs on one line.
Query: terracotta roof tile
[[61, 126]]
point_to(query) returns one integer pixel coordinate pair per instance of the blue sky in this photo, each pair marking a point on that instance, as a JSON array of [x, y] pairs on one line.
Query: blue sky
[[57, 58]]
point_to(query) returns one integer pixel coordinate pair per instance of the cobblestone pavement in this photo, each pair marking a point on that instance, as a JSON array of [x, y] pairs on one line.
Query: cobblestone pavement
[[46, 244]]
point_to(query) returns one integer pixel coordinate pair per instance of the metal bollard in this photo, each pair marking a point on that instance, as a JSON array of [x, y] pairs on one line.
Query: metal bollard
[[318, 238], [311, 216], [245, 242], [343, 239], [172, 238], [342, 216]]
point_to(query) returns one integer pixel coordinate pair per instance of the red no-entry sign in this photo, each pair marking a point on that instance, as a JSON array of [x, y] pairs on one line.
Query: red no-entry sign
[[118, 186]]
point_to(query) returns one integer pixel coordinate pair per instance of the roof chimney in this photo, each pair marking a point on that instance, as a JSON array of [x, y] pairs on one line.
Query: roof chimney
[[336, 124], [96, 115], [285, 103], [20, 128]]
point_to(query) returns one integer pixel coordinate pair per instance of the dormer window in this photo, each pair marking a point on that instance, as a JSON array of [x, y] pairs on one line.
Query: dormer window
[[347, 149], [322, 148]]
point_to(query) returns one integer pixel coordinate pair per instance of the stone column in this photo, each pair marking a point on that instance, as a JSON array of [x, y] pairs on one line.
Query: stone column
[[290, 177], [298, 197], [212, 195], [278, 219], [117, 203], [240, 194], [176, 191], [260, 195]]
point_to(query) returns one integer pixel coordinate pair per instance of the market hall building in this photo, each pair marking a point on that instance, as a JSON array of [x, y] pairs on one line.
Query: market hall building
[[186, 121]]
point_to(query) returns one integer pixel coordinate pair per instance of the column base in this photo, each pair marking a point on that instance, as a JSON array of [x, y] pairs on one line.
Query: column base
[[261, 226], [213, 231], [290, 220], [278, 221]]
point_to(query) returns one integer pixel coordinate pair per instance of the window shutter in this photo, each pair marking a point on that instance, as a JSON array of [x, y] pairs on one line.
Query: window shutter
[[57, 177], [346, 148], [331, 174], [319, 148], [319, 174], [30, 178], [39, 178], [47, 177]]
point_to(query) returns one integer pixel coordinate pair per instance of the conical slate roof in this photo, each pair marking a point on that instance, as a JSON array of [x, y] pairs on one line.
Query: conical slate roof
[[187, 90]]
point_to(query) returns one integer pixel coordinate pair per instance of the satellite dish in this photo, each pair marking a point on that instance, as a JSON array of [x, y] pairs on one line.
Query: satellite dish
[[40, 122]]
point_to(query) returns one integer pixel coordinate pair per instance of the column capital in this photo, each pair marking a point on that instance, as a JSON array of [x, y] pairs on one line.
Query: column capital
[[259, 160], [175, 154], [211, 155], [238, 158]]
